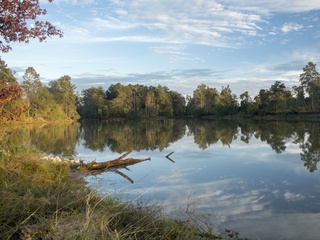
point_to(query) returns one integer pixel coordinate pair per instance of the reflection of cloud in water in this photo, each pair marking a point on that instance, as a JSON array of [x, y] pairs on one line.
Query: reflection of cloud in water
[[261, 206], [247, 187], [217, 197], [234, 204], [291, 197], [173, 178], [268, 225], [286, 183], [178, 175]]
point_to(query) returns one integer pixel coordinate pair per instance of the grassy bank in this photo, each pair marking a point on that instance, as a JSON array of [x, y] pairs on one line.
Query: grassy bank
[[43, 200]]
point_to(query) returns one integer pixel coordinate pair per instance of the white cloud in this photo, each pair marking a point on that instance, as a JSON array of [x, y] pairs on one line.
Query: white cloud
[[169, 27], [78, 30], [75, 2], [201, 22], [266, 7], [289, 27], [214, 23], [221, 24], [292, 197], [174, 53], [111, 23]]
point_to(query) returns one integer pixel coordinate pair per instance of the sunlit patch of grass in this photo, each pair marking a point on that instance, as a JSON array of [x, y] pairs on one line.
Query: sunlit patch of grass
[[42, 200]]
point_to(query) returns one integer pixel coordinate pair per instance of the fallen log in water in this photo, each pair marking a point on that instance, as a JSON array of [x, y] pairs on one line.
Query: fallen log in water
[[118, 162]]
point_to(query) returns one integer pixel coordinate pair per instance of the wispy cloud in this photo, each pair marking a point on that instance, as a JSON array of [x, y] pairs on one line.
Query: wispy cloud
[[289, 27], [224, 24], [142, 35], [174, 53], [182, 80], [267, 7], [164, 21], [112, 23], [73, 2], [202, 22]]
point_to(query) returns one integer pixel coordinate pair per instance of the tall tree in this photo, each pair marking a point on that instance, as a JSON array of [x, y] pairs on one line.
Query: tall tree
[[6, 74], [150, 102], [203, 101], [300, 101], [178, 103], [164, 104], [310, 81], [200, 96], [262, 100], [246, 102], [18, 22], [93, 103], [279, 96], [40, 102], [31, 86], [10, 94], [120, 100], [139, 94], [211, 95], [64, 94], [227, 102]]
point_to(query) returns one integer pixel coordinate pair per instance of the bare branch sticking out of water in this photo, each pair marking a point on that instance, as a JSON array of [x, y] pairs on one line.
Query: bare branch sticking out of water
[[168, 156]]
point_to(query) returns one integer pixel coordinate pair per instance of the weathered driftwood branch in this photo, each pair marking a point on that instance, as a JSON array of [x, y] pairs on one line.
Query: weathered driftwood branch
[[118, 162], [124, 155]]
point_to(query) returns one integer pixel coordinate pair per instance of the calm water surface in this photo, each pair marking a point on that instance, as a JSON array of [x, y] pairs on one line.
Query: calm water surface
[[259, 178]]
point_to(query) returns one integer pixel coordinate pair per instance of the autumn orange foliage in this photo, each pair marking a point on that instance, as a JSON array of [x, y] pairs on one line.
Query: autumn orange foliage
[[9, 94]]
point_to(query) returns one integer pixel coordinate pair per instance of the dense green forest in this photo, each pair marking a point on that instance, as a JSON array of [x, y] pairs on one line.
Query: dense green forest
[[31, 99]]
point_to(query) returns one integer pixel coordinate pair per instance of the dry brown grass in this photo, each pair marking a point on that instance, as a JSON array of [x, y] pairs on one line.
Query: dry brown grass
[[42, 200]]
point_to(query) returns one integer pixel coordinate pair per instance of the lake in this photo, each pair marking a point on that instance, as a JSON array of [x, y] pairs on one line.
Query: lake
[[256, 177]]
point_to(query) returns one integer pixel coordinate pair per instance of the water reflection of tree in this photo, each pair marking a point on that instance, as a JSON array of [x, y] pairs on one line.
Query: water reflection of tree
[[150, 135], [120, 136], [247, 131], [59, 139], [311, 146], [276, 134], [94, 135], [14, 140], [209, 132]]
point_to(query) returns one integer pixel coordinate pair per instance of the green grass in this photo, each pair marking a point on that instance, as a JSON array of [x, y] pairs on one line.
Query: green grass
[[43, 200]]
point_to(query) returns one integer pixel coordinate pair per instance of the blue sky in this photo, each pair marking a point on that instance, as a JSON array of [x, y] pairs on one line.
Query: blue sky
[[245, 44]]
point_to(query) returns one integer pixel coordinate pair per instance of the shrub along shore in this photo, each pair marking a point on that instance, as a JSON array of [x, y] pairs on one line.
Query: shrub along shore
[[48, 200]]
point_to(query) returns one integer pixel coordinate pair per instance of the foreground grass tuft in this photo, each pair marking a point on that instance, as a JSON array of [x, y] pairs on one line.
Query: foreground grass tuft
[[43, 200]]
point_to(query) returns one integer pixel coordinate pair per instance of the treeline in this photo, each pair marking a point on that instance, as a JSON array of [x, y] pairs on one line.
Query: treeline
[[32, 99], [130, 101], [142, 101]]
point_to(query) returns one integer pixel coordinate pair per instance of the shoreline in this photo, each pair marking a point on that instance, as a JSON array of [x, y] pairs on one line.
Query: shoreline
[[266, 117], [49, 200]]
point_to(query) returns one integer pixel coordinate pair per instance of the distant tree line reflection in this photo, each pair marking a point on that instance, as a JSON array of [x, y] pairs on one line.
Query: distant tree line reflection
[[120, 136]]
